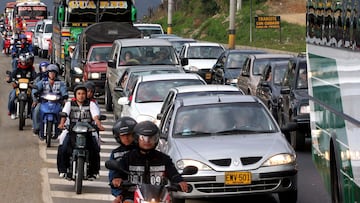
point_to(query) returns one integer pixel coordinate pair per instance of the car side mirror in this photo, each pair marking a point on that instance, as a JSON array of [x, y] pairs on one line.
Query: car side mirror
[[184, 61], [285, 90], [123, 101], [111, 64]]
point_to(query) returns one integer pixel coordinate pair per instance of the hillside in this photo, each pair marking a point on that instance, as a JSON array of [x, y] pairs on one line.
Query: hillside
[[209, 21]]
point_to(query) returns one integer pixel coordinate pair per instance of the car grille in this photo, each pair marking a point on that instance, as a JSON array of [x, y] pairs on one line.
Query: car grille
[[244, 161], [263, 185]]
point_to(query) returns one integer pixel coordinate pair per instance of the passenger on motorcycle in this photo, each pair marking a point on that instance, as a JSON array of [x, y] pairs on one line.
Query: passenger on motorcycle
[[20, 47], [145, 163], [24, 69], [51, 83], [123, 131], [79, 109]]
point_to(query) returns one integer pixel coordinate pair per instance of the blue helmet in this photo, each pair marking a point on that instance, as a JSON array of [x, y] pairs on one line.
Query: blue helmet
[[42, 66], [22, 36]]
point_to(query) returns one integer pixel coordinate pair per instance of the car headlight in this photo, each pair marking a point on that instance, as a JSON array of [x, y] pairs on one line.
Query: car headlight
[[304, 109], [23, 85], [280, 159], [141, 118], [181, 164], [78, 70], [231, 81], [94, 76], [193, 69]]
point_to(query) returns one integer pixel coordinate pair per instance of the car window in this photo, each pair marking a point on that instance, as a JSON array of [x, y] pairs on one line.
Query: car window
[[231, 118], [302, 82], [279, 73], [48, 28], [236, 60], [99, 54], [146, 55]]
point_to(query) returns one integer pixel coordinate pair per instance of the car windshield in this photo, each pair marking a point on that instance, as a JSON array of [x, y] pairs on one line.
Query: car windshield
[[223, 119], [259, 64], [204, 52], [155, 91], [279, 74], [100, 54], [302, 82], [148, 55], [236, 60]]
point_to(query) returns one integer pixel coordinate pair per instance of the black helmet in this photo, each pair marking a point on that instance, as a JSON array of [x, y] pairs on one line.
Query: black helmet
[[147, 130], [125, 125], [90, 85], [79, 87]]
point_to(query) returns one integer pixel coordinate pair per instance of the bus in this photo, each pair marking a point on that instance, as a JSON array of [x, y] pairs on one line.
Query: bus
[[30, 11], [72, 16], [333, 54]]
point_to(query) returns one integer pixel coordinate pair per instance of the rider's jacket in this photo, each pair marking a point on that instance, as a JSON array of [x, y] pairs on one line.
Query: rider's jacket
[[45, 87], [154, 168], [21, 48], [78, 113], [23, 73]]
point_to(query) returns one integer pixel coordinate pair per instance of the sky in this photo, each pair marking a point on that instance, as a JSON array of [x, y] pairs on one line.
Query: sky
[[142, 5]]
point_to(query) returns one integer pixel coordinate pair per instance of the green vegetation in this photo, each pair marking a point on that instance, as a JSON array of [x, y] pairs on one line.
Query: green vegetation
[[208, 20]]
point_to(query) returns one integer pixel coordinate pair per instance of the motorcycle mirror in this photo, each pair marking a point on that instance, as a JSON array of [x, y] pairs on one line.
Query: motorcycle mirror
[[189, 170], [63, 114]]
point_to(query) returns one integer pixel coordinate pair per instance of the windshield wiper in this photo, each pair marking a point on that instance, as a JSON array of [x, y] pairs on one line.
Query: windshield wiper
[[243, 131]]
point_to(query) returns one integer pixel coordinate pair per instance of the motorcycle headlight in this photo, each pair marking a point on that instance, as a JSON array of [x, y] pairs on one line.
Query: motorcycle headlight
[[23, 85], [304, 109], [94, 76], [280, 159], [78, 70], [181, 164], [80, 129], [51, 97]]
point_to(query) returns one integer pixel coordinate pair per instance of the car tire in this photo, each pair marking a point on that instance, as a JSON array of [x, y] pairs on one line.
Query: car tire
[[297, 140], [288, 196], [108, 99]]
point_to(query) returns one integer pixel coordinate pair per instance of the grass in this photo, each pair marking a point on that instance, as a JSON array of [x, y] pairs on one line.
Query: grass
[[215, 28]]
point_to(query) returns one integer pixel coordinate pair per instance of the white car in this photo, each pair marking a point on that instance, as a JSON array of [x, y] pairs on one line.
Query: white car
[[200, 57], [147, 29], [45, 33], [145, 101]]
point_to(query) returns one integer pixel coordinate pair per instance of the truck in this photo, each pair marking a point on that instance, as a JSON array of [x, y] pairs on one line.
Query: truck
[[72, 16], [95, 43], [27, 12]]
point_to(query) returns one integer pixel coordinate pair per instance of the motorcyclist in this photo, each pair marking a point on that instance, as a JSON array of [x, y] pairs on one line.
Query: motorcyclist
[[20, 47], [42, 71], [123, 130], [85, 110], [51, 83], [24, 69], [145, 163]]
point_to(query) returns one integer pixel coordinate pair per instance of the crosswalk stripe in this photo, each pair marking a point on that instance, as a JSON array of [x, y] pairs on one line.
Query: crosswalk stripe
[[73, 195]]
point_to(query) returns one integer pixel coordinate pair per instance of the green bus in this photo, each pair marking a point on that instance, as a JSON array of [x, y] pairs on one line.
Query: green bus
[[72, 16], [333, 54]]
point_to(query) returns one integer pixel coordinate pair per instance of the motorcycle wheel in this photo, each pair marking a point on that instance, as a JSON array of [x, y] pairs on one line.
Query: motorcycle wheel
[[21, 115], [49, 127], [79, 175]]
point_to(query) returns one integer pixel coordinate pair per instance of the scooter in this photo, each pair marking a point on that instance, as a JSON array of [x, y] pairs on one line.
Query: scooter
[[139, 193], [49, 110], [79, 161]]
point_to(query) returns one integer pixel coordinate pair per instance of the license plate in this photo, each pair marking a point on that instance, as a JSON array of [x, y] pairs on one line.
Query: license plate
[[208, 76], [23, 80], [237, 178]]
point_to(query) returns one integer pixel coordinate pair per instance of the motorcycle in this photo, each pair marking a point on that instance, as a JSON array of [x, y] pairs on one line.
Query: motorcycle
[[23, 98], [139, 193], [79, 161], [49, 110]]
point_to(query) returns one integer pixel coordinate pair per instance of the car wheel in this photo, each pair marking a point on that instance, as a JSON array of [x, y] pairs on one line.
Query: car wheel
[[297, 140], [288, 196], [108, 99]]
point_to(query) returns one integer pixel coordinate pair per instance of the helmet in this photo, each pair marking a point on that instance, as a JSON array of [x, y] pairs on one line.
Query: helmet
[[22, 36], [79, 87], [90, 85], [22, 61], [147, 130], [43, 66], [52, 68], [125, 125], [29, 57]]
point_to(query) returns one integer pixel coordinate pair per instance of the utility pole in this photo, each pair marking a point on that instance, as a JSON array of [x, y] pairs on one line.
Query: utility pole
[[232, 24], [170, 13]]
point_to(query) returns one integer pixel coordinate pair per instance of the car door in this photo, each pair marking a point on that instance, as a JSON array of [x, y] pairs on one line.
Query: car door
[[243, 78], [285, 98]]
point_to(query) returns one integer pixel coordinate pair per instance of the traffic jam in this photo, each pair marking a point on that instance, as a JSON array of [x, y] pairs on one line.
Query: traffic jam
[[185, 119]]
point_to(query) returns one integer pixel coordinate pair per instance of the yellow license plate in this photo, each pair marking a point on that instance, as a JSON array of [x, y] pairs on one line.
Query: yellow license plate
[[208, 76], [237, 178], [23, 80]]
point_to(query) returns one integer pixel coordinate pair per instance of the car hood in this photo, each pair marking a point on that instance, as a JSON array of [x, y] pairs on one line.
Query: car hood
[[97, 66], [148, 109], [202, 63], [233, 147]]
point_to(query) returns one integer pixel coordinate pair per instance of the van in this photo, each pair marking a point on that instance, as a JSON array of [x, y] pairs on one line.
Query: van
[[45, 33]]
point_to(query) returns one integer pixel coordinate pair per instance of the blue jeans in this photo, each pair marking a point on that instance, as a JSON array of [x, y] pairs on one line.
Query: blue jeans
[[11, 102], [36, 117], [14, 64]]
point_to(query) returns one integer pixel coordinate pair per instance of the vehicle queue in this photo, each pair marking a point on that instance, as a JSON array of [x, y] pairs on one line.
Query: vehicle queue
[[231, 183]]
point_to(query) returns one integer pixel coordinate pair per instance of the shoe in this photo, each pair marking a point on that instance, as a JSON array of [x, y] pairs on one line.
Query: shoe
[[62, 175], [41, 137], [9, 113], [93, 177], [36, 132], [13, 116]]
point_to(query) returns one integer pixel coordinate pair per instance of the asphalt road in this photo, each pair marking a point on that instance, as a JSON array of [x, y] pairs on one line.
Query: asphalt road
[[28, 169]]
